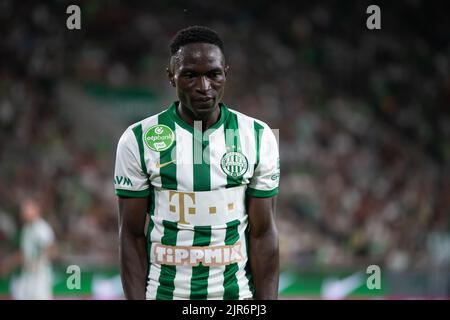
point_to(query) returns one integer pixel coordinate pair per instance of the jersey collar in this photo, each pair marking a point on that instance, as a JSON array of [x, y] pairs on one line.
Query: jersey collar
[[223, 117]]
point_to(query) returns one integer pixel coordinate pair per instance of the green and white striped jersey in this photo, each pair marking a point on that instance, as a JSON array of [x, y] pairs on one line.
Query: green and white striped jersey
[[197, 183]]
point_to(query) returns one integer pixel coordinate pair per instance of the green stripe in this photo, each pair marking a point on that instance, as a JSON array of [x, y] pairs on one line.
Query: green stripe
[[167, 276], [200, 273], [258, 133], [202, 170], [231, 288], [169, 181], [150, 223], [137, 130], [248, 267], [150, 227], [151, 210], [133, 194], [232, 143], [168, 173], [261, 193]]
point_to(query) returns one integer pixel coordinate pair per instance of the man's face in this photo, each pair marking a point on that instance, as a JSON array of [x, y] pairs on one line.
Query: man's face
[[198, 73], [30, 211]]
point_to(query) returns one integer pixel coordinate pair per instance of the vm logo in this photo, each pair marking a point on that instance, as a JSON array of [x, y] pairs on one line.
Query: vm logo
[[124, 181]]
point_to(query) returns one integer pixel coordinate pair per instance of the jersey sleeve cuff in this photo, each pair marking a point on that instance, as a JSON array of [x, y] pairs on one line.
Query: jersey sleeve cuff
[[133, 194], [262, 193]]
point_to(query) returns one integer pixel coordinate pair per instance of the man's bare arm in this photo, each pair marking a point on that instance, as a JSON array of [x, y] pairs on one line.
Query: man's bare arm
[[11, 263], [264, 255], [52, 251], [132, 246]]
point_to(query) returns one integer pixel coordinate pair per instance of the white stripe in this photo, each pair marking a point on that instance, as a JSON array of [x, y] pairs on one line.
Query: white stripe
[[248, 142], [155, 269], [217, 148], [244, 289], [216, 274], [185, 182], [267, 167], [185, 169], [182, 281]]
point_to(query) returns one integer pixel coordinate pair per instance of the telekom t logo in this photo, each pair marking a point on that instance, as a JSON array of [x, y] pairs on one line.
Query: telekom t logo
[[181, 204]]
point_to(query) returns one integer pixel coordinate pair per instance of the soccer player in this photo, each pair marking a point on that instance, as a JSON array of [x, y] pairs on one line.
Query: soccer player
[[37, 249], [207, 177]]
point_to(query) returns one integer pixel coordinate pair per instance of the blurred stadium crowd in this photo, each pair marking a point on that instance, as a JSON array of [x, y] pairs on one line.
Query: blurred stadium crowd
[[364, 119]]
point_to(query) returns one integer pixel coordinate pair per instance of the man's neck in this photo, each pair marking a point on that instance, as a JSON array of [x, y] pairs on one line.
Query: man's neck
[[187, 116]]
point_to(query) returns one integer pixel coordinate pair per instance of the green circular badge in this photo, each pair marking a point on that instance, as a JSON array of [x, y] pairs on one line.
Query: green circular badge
[[159, 137], [234, 164]]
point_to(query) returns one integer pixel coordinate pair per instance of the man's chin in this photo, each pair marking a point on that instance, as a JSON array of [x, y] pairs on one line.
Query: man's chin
[[205, 109]]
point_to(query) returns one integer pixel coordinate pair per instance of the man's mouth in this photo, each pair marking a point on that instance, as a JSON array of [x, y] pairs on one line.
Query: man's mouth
[[203, 99]]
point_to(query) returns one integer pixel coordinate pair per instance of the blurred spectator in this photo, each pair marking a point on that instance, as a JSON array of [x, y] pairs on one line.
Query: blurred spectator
[[37, 248]]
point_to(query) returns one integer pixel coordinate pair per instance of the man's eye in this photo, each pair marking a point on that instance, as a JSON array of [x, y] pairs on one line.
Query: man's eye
[[189, 75], [215, 74]]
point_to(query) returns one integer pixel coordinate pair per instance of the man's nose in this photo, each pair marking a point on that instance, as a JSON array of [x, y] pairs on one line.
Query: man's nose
[[205, 84]]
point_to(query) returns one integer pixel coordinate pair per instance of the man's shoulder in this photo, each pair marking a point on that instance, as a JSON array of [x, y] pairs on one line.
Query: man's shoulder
[[41, 224], [43, 228], [139, 127], [153, 119], [249, 119]]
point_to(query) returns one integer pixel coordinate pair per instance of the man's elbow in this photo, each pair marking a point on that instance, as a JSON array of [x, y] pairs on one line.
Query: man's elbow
[[130, 233], [269, 231], [52, 251]]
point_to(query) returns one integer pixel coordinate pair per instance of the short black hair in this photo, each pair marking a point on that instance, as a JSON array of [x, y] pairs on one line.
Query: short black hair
[[195, 34]]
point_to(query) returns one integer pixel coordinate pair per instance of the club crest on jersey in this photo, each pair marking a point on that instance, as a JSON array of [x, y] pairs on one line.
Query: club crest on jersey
[[159, 137], [234, 164]]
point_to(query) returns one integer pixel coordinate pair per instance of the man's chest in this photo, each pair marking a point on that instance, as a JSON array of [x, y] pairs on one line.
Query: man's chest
[[192, 164]]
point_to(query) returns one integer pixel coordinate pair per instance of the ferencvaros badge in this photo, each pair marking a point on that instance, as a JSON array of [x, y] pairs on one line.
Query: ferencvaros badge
[[234, 164]]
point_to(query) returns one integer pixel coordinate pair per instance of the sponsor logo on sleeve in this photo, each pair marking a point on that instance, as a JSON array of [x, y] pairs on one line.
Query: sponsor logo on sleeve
[[123, 181], [159, 137]]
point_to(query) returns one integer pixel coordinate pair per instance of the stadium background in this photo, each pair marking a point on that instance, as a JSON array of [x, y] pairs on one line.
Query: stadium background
[[363, 115]]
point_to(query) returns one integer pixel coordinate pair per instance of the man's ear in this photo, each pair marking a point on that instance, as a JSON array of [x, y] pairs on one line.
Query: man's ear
[[226, 70], [171, 77]]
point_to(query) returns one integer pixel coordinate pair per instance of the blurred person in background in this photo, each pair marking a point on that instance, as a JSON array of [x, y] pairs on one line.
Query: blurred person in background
[[37, 248]]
